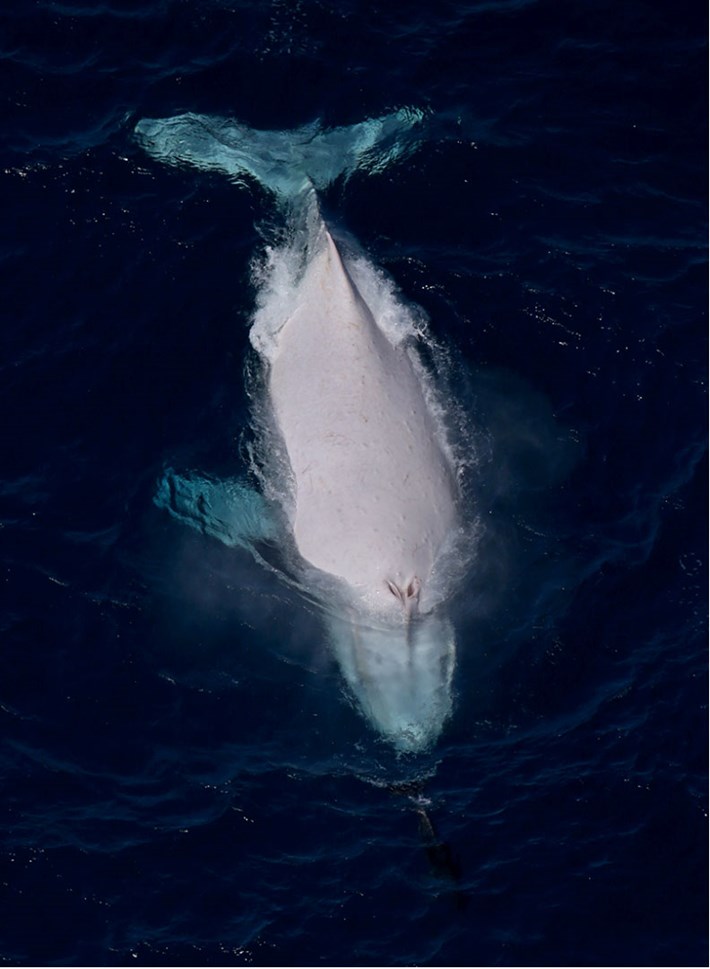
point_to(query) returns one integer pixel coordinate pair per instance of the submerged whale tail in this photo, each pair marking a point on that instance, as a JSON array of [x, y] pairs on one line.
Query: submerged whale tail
[[286, 163]]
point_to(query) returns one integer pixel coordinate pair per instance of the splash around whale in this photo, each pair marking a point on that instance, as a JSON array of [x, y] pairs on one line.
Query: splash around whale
[[358, 481]]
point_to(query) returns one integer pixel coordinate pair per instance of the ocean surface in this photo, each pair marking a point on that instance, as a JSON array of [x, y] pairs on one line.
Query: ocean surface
[[185, 778]]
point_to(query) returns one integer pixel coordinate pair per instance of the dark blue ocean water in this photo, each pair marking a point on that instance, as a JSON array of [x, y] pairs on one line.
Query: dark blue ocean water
[[184, 779]]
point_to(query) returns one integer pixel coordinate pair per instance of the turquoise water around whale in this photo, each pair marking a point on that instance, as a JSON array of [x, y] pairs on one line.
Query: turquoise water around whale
[[186, 780]]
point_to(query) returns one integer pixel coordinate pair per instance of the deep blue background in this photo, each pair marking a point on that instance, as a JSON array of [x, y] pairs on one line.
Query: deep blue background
[[184, 781]]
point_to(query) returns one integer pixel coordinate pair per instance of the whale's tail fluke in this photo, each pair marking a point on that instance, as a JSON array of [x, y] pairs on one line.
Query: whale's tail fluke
[[284, 162]]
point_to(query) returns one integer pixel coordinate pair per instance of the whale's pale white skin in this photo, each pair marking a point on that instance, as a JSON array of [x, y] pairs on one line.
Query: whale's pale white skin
[[373, 496], [374, 493]]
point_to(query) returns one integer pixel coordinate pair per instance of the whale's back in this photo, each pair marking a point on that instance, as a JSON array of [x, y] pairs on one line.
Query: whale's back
[[374, 491]]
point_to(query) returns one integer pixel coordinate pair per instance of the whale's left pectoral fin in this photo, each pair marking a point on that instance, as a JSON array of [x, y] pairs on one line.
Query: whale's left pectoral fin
[[227, 510]]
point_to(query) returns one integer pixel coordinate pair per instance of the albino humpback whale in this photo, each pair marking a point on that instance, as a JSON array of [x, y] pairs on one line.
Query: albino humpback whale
[[372, 502]]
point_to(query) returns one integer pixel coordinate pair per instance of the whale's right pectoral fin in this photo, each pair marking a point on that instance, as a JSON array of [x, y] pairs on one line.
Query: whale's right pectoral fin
[[228, 510]]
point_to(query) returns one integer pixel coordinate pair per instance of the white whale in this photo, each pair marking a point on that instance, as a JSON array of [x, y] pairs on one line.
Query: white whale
[[373, 503]]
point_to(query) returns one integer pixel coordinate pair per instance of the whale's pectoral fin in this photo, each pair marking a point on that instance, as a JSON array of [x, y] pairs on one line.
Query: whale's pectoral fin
[[228, 510]]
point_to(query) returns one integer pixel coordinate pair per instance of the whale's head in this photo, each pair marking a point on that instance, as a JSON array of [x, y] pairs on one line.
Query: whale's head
[[399, 672]]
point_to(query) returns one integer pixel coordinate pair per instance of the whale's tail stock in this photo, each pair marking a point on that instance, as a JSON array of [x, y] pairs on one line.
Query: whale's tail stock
[[285, 163]]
